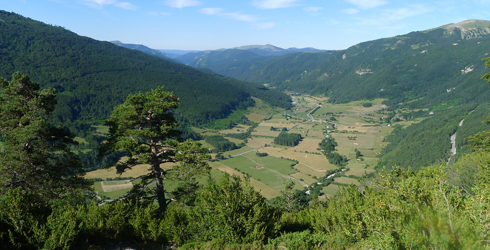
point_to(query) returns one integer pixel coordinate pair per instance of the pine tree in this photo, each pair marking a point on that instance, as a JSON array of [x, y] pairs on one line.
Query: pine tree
[[143, 128], [37, 156]]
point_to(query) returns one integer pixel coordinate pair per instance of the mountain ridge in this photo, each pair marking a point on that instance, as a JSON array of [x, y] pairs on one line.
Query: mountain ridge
[[423, 67]]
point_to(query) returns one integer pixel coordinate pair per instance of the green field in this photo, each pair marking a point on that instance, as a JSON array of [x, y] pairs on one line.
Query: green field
[[272, 171]]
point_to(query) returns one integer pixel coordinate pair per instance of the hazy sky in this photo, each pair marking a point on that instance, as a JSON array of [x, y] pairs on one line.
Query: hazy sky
[[212, 24]]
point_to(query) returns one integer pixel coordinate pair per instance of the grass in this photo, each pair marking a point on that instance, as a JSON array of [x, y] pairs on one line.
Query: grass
[[109, 186], [306, 178], [307, 144], [274, 172], [256, 142], [80, 140], [330, 190], [259, 186], [101, 129], [236, 130], [358, 171], [261, 111], [317, 162], [238, 151], [346, 180], [265, 131]]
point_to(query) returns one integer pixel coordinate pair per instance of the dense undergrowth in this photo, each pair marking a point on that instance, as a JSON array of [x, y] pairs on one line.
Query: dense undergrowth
[[397, 210]]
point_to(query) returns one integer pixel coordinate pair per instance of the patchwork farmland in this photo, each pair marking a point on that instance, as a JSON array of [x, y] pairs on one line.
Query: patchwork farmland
[[353, 126]]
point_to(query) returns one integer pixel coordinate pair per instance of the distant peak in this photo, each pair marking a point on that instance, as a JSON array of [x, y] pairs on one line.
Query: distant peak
[[263, 47], [472, 28]]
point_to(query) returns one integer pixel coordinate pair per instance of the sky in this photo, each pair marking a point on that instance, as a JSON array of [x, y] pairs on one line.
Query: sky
[[213, 24]]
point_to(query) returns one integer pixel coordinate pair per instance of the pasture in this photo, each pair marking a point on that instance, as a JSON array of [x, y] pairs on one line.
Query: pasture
[[307, 145], [346, 180], [273, 172], [330, 190], [315, 161], [259, 186], [109, 186], [265, 131], [236, 130], [256, 142]]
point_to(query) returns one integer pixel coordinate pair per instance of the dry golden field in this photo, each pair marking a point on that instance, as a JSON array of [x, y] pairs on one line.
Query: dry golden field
[[359, 171], [316, 133], [307, 170], [236, 130], [265, 131], [110, 186], [362, 140], [347, 180], [353, 128], [256, 142], [135, 172], [301, 176], [317, 162], [307, 144], [256, 117], [330, 190], [284, 124]]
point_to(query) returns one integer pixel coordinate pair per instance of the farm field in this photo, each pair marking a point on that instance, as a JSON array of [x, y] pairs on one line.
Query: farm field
[[238, 129], [265, 131], [256, 142], [272, 171], [357, 127]]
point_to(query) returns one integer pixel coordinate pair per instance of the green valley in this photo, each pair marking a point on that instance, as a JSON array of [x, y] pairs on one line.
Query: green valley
[[383, 145]]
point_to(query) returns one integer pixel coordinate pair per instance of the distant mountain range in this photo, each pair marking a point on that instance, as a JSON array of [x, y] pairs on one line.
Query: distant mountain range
[[199, 58]]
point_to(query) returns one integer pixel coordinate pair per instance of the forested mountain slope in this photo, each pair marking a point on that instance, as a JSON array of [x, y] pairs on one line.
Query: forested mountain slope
[[433, 66], [91, 76]]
